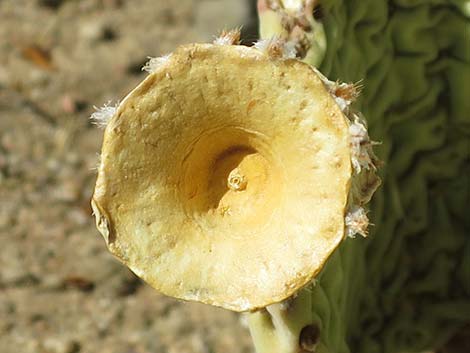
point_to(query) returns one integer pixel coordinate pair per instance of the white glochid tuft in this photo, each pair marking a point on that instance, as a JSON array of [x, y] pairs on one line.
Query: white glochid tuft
[[356, 222], [155, 63], [103, 115], [344, 93], [277, 48], [228, 37], [262, 45], [360, 146]]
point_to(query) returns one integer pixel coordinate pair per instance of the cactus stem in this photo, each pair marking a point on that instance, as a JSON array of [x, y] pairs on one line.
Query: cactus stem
[[282, 327]]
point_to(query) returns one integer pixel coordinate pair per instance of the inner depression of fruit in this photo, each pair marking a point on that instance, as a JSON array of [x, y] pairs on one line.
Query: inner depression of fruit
[[230, 179]]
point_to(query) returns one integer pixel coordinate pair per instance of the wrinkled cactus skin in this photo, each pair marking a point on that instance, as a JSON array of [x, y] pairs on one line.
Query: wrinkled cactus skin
[[405, 288]]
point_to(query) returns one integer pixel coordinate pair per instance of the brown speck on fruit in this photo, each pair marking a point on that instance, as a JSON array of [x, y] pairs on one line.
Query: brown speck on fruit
[[250, 106]]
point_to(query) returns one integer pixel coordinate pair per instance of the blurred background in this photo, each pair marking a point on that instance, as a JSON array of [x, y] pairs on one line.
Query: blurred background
[[60, 289]]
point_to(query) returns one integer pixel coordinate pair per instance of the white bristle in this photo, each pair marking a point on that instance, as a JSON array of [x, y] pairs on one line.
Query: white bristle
[[356, 222], [360, 146], [155, 63], [223, 40], [262, 45], [103, 115], [228, 37], [276, 48]]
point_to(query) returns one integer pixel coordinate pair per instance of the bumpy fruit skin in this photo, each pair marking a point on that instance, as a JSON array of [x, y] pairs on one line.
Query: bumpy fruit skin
[[230, 174], [405, 288]]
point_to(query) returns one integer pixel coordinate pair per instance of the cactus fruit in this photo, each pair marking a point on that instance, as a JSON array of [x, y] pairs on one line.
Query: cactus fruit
[[230, 174]]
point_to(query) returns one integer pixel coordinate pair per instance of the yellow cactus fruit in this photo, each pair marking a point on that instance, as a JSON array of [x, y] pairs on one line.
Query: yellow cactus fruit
[[225, 176]]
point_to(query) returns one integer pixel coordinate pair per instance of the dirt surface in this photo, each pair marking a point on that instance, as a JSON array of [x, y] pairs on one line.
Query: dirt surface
[[60, 289]]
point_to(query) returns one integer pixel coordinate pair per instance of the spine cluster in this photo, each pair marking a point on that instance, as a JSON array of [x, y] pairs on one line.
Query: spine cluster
[[363, 160], [277, 48], [228, 37], [103, 115], [155, 63]]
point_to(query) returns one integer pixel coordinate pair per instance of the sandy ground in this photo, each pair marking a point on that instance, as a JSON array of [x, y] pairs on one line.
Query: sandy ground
[[60, 289]]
